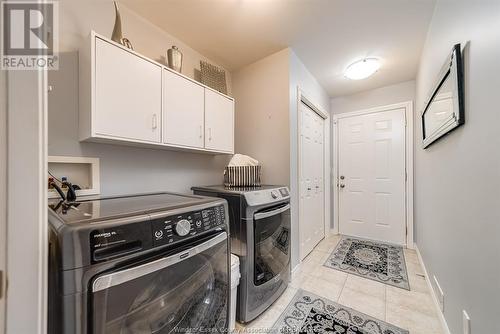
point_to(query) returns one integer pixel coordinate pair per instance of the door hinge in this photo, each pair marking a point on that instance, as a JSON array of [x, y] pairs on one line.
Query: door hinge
[[406, 176]]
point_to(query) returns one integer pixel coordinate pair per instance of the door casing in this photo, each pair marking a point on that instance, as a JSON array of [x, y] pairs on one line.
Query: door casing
[[302, 98], [27, 229], [408, 106]]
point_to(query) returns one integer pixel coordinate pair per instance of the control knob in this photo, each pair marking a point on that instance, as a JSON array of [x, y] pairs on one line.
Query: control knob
[[274, 194], [183, 227]]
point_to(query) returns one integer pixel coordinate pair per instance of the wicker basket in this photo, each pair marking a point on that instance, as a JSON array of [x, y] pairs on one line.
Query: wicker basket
[[242, 176]]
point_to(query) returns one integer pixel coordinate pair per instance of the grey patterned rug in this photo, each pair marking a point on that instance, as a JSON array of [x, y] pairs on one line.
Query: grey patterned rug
[[311, 314], [377, 261]]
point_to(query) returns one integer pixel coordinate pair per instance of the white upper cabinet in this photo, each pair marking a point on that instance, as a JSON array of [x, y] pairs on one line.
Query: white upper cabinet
[[127, 98], [219, 122], [127, 94], [183, 111]]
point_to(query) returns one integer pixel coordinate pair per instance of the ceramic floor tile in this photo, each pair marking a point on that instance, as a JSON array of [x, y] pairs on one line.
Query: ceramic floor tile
[[413, 310], [282, 302], [359, 301], [308, 267], [414, 268], [297, 279], [412, 300], [263, 323], [329, 274], [412, 320], [317, 257], [411, 256], [327, 245], [418, 283], [366, 286], [323, 288]]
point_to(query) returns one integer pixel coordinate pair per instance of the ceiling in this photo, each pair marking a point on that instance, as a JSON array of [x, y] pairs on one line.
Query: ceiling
[[327, 35]]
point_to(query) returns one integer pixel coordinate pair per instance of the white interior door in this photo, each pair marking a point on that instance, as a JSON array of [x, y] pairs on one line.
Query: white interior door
[[312, 195], [372, 176]]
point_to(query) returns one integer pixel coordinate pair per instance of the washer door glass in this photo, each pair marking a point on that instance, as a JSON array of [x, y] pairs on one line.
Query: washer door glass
[[272, 243], [185, 292]]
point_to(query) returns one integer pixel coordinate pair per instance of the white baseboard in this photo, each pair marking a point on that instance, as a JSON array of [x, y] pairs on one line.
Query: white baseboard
[[442, 319]]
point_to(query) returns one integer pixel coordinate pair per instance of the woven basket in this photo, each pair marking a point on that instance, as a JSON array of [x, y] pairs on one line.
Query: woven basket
[[242, 176]]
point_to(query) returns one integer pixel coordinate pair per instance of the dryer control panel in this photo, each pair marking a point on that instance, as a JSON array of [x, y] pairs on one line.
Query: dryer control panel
[[171, 229]]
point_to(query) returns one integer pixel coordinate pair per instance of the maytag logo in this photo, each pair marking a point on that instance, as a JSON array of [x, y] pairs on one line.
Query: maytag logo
[[105, 234], [29, 35]]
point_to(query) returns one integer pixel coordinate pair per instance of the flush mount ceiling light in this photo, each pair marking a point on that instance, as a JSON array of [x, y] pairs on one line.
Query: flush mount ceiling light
[[362, 69]]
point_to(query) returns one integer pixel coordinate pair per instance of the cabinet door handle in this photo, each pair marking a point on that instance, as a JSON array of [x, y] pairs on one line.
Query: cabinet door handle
[[155, 122], [209, 133], [201, 131]]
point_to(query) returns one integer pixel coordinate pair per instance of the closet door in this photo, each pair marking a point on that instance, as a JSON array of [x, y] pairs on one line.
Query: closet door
[[219, 122], [127, 94], [183, 111]]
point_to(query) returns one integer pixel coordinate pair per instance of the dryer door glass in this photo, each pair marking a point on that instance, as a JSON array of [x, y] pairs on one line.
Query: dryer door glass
[[272, 242], [183, 292]]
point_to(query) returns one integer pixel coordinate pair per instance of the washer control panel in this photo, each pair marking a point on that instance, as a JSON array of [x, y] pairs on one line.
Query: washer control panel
[[171, 229], [266, 196]]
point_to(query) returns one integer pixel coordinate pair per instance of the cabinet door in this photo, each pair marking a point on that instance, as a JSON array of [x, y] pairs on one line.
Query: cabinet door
[[183, 111], [219, 122], [127, 95]]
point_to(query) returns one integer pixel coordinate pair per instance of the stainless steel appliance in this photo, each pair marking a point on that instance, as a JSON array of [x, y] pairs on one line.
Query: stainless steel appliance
[[259, 219], [155, 263]]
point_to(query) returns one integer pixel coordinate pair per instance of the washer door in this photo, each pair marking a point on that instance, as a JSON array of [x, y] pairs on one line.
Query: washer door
[[187, 292], [272, 243]]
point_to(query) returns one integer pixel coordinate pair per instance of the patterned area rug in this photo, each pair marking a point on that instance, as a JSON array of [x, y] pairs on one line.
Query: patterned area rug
[[308, 313], [377, 261]]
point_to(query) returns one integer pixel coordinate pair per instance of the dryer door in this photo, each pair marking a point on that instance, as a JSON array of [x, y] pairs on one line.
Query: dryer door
[[185, 292]]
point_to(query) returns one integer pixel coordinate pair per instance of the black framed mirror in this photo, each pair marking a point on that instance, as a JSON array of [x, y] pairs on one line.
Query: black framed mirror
[[444, 111]]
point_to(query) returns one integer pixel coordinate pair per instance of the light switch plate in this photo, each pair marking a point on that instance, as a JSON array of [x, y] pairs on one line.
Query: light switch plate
[[466, 322], [439, 294]]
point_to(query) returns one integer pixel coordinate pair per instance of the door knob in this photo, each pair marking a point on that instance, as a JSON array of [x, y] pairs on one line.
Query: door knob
[[342, 185], [342, 177]]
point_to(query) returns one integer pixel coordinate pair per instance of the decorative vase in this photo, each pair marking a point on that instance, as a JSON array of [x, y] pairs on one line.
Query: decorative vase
[[117, 35], [174, 59]]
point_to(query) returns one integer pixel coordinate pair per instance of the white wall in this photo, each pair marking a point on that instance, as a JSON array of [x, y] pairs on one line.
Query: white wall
[[457, 181], [262, 120], [266, 120], [123, 169], [300, 77], [78, 18], [401, 92]]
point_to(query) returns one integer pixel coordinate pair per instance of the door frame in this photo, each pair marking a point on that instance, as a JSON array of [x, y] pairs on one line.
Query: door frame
[[302, 98], [27, 230], [3, 196], [408, 106]]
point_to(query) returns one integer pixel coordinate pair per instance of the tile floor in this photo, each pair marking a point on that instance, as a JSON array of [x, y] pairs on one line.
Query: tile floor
[[413, 310]]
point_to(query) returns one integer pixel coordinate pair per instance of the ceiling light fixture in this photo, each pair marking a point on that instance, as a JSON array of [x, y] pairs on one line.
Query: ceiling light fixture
[[362, 69]]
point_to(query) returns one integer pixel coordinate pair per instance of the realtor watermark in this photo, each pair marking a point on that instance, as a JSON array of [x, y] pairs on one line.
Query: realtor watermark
[[29, 35]]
